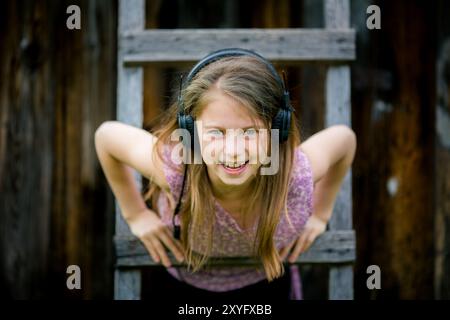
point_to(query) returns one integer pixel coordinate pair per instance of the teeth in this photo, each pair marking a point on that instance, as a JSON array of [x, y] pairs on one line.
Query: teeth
[[234, 165]]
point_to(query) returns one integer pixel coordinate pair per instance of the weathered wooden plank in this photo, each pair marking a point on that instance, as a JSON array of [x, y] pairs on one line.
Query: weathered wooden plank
[[131, 16], [54, 203], [340, 283], [338, 110], [337, 14], [30, 215], [441, 165], [338, 96], [284, 45], [331, 247], [127, 284], [130, 83]]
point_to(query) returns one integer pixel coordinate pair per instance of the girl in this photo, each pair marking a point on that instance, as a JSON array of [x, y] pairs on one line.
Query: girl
[[226, 206]]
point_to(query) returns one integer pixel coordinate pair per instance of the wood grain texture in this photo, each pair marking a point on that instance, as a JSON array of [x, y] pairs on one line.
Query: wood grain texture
[[55, 90], [130, 99], [127, 284], [331, 247], [394, 168], [442, 160], [338, 111], [189, 45]]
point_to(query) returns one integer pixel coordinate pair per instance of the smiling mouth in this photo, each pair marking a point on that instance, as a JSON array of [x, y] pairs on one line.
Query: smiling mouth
[[234, 165], [235, 169]]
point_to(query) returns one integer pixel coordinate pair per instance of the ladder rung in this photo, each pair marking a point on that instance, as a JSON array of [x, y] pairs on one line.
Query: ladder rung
[[169, 46], [331, 247]]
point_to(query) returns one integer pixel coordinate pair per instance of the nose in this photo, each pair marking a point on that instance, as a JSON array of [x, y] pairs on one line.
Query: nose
[[234, 148]]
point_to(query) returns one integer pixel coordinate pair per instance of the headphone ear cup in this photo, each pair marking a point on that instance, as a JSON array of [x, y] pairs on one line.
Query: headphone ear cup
[[277, 123], [187, 122], [286, 124], [282, 121]]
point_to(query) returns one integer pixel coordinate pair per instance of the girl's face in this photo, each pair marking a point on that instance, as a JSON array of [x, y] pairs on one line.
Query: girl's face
[[230, 140]]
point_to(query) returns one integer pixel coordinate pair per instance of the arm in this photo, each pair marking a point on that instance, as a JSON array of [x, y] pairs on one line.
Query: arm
[[120, 149], [330, 153]]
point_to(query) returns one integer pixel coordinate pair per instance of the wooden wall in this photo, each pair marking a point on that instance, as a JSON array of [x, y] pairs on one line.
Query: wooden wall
[[442, 154], [393, 115], [56, 86]]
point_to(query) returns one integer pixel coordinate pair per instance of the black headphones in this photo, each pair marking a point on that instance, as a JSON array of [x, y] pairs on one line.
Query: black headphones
[[282, 120]]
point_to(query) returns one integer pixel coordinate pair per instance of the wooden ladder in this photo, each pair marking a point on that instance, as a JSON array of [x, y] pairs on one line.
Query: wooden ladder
[[335, 45]]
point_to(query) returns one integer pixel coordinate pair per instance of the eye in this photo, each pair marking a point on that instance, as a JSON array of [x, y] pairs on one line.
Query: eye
[[215, 132], [250, 132]]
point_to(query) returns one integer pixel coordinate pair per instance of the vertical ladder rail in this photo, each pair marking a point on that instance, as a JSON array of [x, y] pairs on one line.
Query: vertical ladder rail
[[338, 111], [127, 282]]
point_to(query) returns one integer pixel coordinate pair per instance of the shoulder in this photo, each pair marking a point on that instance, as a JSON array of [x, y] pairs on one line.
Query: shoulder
[[171, 157], [301, 176], [301, 188], [326, 147], [171, 167], [131, 146]]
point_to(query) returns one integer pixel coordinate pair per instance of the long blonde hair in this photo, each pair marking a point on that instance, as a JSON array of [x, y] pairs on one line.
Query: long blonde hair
[[250, 82]]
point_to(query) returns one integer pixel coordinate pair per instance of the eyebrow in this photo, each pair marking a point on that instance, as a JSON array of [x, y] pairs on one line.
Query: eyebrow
[[218, 127]]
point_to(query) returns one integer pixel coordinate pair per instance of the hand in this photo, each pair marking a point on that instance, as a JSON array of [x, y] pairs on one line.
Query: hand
[[154, 234], [313, 228]]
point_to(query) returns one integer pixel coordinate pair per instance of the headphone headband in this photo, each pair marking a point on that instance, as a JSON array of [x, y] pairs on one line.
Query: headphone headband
[[233, 52], [230, 52]]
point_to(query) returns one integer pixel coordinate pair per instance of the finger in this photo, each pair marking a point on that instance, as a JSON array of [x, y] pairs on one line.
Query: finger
[[309, 241], [170, 243], [150, 248], [298, 247], [161, 252], [285, 251], [175, 241]]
